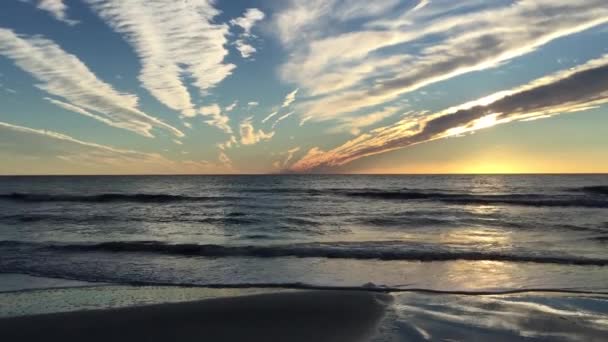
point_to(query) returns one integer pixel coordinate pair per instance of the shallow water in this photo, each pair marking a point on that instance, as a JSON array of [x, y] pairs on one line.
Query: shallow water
[[449, 233]]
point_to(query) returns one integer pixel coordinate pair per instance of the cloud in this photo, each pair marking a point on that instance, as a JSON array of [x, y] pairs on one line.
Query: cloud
[[568, 91], [282, 164], [289, 98], [246, 23], [270, 116], [249, 136], [231, 107], [176, 41], [217, 119], [421, 4], [65, 154], [245, 49], [306, 19], [57, 9], [304, 120], [228, 143], [253, 104], [352, 66], [65, 76], [72, 108], [225, 161], [354, 124], [249, 19], [281, 118]]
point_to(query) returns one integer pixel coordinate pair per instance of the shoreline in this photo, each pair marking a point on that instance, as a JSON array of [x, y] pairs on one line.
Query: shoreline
[[37, 283], [161, 313]]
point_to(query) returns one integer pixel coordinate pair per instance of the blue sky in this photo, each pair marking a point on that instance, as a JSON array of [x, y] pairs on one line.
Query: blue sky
[[389, 86]]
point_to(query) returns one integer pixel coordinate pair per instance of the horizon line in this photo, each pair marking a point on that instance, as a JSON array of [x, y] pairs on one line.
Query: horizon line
[[314, 174]]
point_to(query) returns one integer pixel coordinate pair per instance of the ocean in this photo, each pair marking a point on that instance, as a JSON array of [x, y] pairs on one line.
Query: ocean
[[447, 233], [466, 256]]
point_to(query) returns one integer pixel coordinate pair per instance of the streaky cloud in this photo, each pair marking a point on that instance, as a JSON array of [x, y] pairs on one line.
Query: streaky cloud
[[568, 91], [349, 70], [354, 124], [175, 41], [58, 9], [281, 118], [63, 75], [289, 154], [289, 99], [82, 155], [270, 116], [421, 4]]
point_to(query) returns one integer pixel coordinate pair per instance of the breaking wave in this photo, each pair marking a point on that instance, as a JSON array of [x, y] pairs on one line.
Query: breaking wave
[[378, 250]]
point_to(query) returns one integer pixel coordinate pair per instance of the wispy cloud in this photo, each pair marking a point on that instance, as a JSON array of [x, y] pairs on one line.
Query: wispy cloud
[[249, 136], [289, 98], [354, 124], [281, 118], [175, 41], [421, 4], [228, 143], [270, 116], [231, 106], [350, 70], [305, 19], [225, 161], [282, 164], [63, 75], [253, 103], [568, 91], [217, 119], [246, 50], [246, 23], [248, 20], [58, 9], [78, 156]]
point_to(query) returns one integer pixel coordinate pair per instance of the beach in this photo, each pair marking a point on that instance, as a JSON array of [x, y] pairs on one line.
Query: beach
[[293, 316], [90, 312]]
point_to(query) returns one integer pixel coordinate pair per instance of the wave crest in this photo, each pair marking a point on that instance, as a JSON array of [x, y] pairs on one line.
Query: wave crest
[[111, 197], [389, 250]]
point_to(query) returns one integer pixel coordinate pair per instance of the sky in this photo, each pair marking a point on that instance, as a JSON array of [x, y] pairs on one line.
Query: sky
[[303, 86]]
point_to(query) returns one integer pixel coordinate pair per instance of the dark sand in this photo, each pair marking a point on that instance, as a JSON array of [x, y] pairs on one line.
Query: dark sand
[[291, 316]]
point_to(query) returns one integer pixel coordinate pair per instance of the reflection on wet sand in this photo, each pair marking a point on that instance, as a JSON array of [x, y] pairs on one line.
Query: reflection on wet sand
[[548, 317]]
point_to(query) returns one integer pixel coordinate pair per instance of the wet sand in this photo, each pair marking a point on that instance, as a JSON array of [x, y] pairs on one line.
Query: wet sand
[[291, 316]]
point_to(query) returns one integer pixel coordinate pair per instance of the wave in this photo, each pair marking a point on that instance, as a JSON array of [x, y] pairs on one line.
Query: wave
[[593, 197], [597, 189], [111, 197], [536, 200], [387, 250], [402, 220], [368, 287], [99, 219]]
